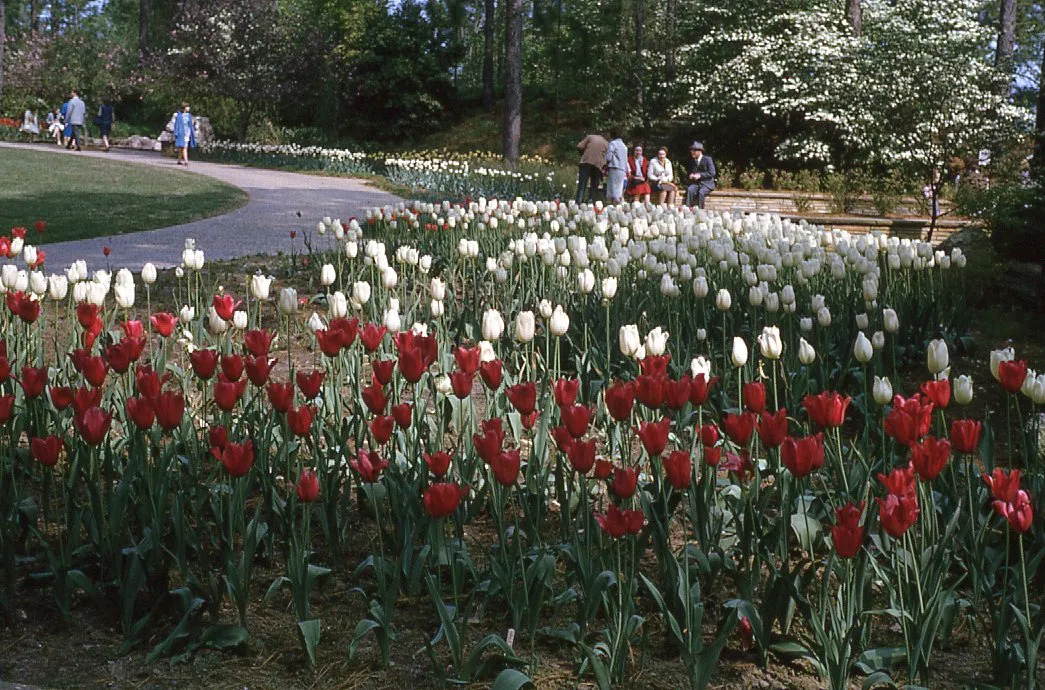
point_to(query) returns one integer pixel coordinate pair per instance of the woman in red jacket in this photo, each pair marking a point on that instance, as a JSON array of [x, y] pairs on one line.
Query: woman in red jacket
[[638, 176]]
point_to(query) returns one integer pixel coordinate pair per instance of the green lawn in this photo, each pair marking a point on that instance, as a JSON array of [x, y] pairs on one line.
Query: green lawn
[[83, 197]]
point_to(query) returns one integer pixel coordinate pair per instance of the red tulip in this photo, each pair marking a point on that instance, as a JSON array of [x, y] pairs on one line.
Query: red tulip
[[346, 330], [678, 469], [147, 381], [603, 469], [382, 429], [900, 481], [566, 391], [227, 393], [371, 336], [1004, 487], [897, 513], [581, 455], [204, 363], [965, 435], [218, 437], [225, 306], [280, 395], [909, 419], [93, 425], [676, 393], [438, 463], [620, 400], [847, 534], [467, 359], [24, 306], [232, 367], [40, 225], [93, 367], [164, 323], [374, 398], [489, 443], [7, 405], [308, 486], [708, 434], [1019, 513], [442, 498], [330, 342], [1012, 374], [461, 383], [5, 368], [132, 328], [87, 314], [712, 455], [492, 373], [505, 467], [617, 523], [654, 436], [412, 364], [92, 332], [258, 342], [84, 398], [369, 465], [700, 388], [33, 381], [425, 344], [772, 428], [802, 456], [140, 411], [930, 457], [383, 370], [61, 397], [939, 392], [827, 409], [754, 394], [523, 397], [310, 384], [300, 420], [170, 409], [529, 420], [106, 250], [403, 415], [575, 418], [649, 391], [46, 450], [739, 427], [655, 365], [237, 458], [625, 481], [563, 438], [259, 369], [740, 465]]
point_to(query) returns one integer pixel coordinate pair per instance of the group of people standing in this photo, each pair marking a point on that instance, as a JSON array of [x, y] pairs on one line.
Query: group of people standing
[[639, 177], [65, 124]]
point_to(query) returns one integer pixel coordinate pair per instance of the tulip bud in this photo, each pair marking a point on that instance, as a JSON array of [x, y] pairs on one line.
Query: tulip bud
[[437, 308], [806, 324], [559, 322], [288, 301], [393, 322], [823, 317], [437, 289], [861, 321], [389, 278], [525, 326], [656, 342], [148, 274], [544, 308], [862, 349], [878, 340], [630, 342], [492, 325], [769, 343], [962, 389], [337, 305], [890, 321], [937, 357], [722, 300], [882, 391], [327, 274], [739, 354], [361, 292], [38, 283], [239, 320], [700, 287], [586, 281], [609, 288], [806, 353]]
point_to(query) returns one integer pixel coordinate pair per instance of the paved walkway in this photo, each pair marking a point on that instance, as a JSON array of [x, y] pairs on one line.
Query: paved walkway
[[279, 202]]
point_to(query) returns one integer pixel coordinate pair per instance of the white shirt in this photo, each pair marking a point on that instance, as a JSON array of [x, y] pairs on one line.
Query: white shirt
[[617, 155], [659, 172]]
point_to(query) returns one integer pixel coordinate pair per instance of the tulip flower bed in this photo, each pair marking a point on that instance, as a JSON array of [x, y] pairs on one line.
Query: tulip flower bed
[[515, 438]]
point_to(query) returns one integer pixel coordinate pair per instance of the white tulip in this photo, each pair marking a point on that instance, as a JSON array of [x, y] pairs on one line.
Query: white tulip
[[739, 354], [823, 317], [963, 389], [699, 365], [700, 287], [544, 308], [361, 292], [389, 278], [315, 322], [769, 343], [656, 342], [525, 326], [179, 272], [999, 356], [327, 274], [437, 308], [890, 321], [492, 325], [806, 353], [586, 281], [288, 301], [215, 324], [862, 349], [882, 391], [16, 246], [239, 320], [337, 305], [57, 287], [486, 351], [722, 300], [187, 314], [393, 322], [96, 293], [806, 324], [702, 334], [937, 356], [878, 340], [609, 288], [437, 289], [259, 286], [443, 385], [124, 294], [559, 323], [149, 274], [630, 342], [862, 321], [38, 283]]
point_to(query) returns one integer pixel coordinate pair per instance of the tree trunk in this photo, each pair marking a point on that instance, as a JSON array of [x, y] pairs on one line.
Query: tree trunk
[[1039, 127], [1006, 44], [640, 26], [34, 16], [143, 31], [3, 41], [670, 26], [855, 14], [513, 80], [490, 16]]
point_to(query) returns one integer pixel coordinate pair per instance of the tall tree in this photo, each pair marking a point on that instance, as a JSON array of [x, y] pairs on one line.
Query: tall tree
[[1039, 126], [855, 14], [3, 41], [513, 13], [489, 17], [1006, 44], [143, 31], [640, 28]]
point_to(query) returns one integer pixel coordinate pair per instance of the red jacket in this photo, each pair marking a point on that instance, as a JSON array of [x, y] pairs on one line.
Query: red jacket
[[645, 168]]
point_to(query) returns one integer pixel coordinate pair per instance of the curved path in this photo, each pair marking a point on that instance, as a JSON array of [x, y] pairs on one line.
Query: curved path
[[279, 202]]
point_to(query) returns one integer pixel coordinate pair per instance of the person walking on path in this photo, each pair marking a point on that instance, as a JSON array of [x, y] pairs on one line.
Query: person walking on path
[[700, 176], [67, 129], [184, 134], [106, 116], [75, 116], [616, 168], [593, 159]]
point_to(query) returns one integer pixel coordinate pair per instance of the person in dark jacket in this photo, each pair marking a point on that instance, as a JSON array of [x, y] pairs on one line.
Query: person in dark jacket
[[700, 176], [105, 119]]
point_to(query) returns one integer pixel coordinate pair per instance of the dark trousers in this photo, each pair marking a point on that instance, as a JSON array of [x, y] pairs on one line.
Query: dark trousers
[[74, 138], [696, 194], [588, 173]]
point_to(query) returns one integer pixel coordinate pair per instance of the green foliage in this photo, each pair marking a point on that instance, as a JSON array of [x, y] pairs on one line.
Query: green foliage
[[1012, 215]]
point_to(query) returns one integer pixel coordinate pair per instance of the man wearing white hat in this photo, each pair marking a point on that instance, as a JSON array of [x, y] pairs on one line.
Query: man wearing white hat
[[700, 176]]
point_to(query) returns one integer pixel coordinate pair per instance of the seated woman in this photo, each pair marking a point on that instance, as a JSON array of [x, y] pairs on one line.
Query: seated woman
[[638, 176], [55, 126], [30, 125], [662, 178]]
